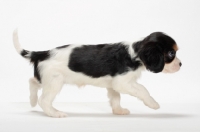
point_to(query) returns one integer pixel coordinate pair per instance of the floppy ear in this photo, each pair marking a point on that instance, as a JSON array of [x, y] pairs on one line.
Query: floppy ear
[[152, 57]]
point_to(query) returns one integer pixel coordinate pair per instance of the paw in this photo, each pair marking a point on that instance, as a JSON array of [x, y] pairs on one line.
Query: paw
[[52, 112], [59, 114], [151, 103], [56, 114], [121, 111]]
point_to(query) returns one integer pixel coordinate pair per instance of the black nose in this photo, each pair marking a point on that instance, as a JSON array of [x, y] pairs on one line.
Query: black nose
[[180, 64]]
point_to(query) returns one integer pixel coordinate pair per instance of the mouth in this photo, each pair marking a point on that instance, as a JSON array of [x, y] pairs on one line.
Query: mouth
[[173, 70]]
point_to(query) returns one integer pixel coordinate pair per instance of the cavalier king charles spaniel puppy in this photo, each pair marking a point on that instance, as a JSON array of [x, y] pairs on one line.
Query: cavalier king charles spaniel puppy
[[115, 66]]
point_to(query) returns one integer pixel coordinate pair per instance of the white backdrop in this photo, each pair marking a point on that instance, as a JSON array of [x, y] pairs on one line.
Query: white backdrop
[[45, 24]]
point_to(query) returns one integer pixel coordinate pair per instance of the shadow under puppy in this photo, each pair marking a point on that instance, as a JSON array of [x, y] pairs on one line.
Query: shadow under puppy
[[113, 66]]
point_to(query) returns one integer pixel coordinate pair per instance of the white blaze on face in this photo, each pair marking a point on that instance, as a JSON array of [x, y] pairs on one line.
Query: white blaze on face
[[172, 67]]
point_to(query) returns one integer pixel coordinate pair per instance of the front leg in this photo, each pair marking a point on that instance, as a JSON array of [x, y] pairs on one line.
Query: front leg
[[115, 103], [139, 91]]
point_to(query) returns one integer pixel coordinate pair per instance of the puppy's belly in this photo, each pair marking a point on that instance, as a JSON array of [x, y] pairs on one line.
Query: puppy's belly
[[80, 79]]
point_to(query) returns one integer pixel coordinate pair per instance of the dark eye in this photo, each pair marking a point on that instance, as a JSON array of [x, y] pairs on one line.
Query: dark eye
[[171, 53]]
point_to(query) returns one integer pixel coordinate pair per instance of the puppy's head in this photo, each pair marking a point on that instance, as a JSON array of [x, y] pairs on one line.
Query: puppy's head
[[158, 53]]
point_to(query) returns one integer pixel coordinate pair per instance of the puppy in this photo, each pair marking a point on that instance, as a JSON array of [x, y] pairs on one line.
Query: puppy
[[113, 66]]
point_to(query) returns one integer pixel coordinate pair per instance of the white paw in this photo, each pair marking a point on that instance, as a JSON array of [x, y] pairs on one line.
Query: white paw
[[151, 103], [56, 114], [121, 111], [59, 114]]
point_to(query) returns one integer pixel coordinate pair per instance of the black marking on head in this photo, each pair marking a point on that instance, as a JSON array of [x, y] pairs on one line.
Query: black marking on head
[[61, 47], [153, 50], [101, 60], [37, 57]]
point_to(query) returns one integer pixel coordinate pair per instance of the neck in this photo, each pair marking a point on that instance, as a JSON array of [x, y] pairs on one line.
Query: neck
[[136, 46]]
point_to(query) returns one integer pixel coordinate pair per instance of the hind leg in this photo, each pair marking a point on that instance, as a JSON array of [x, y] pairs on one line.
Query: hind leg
[[34, 86], [115, 103], [51, 87]]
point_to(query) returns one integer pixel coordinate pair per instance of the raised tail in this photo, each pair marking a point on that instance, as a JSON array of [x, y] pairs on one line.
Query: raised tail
[[33, 82], [35, 57], [24, 53]]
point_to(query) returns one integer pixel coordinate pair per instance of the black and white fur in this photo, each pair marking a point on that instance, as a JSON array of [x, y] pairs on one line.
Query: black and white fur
[[115, 66]]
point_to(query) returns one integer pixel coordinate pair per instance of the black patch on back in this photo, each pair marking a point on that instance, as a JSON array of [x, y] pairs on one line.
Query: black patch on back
[[101, 60], [37, 57], [61, 47]]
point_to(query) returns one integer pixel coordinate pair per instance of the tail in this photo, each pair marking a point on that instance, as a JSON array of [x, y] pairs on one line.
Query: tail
[[35, 57], [33, 82], [24, 53]]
